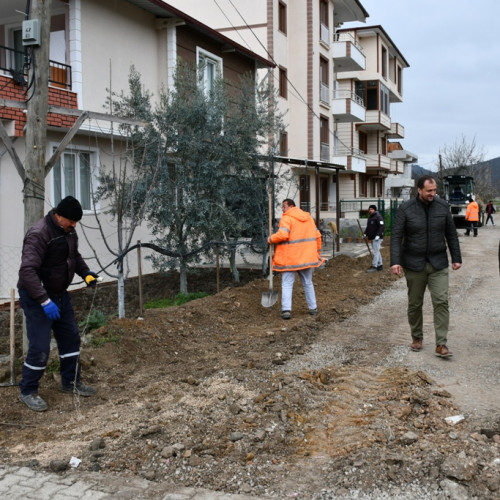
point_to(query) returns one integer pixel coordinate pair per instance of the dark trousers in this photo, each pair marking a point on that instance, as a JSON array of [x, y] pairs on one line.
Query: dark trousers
[[471, 224], [38, 328], [490, 217]]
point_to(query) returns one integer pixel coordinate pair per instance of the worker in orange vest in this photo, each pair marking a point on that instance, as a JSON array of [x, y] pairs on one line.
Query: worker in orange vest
[[298, 246], [472, 216]]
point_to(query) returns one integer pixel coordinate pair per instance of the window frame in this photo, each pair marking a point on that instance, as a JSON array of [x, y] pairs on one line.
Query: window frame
[[93, 184], [202, 56], [283, 83], [282, 17]]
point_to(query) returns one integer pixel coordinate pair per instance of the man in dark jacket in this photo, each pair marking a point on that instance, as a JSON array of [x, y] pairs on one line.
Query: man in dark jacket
[[375, 232], [50, 259], [421, 233]]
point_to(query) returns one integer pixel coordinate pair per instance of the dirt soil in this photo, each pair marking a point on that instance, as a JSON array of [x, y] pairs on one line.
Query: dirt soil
[[222, 393]]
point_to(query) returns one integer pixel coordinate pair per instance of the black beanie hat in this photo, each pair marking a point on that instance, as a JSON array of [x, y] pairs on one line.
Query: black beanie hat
[[372, 206], [70, 208]]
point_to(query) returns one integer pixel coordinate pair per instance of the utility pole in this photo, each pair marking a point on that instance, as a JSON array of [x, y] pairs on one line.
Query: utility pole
[[36, 118]]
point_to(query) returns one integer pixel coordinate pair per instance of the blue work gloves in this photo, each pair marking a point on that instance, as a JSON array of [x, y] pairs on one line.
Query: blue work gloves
[[91, 278], [51, 310]]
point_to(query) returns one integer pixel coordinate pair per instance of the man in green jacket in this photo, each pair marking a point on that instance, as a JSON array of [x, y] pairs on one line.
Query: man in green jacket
[[421, 234]]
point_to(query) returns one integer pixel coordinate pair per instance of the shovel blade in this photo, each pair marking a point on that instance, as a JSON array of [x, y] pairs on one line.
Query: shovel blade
[[269, 298]]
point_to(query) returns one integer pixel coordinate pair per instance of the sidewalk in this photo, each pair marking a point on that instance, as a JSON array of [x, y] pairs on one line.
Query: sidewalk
[[17, 483]]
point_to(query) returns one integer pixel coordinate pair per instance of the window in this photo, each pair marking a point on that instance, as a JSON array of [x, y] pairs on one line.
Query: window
[[324, 91], [282, 17], [323, 22], [283, 144], [384, 62], [362, 185], [209, 69], [400, 79], [324, 134], [323, 193], [363, 142], [304, 193], [283, 83], [72, 175], [375, 95]]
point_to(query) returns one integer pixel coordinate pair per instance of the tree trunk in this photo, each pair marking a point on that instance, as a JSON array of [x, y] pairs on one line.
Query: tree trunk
[[234, 268], [183, 276], [121, 295], [36, 124]]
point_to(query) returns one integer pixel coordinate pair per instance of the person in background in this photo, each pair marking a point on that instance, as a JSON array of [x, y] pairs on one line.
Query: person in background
[[472, 217], [50, 259], [375, 232], [421, 234], [298, 246], [490, 210]]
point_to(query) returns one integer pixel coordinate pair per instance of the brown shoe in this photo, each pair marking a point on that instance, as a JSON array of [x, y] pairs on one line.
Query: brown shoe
[[442, 351], [416, 345]]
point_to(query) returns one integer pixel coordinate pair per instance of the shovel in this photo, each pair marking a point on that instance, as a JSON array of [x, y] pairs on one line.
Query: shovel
[[269, 298]]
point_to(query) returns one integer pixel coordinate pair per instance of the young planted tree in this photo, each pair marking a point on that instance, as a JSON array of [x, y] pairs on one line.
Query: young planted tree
[[211, 186], [125, 187]]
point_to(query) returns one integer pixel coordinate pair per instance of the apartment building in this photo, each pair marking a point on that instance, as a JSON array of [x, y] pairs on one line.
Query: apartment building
[[336, 85], [93, 45], [364, 136]]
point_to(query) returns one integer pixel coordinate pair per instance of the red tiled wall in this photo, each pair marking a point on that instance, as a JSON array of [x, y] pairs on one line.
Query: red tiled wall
[[57, 97]]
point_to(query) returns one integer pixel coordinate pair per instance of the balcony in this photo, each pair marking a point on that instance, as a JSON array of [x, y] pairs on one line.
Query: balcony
[[12, 63], [348, 107], [378, 162], [352, 159], [375, 120], [347, 54], [325, 152], [397, 131]]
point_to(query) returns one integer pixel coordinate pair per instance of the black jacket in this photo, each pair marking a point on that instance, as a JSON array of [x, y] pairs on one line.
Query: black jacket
[[375, 226], [420, 234], [50, 259]]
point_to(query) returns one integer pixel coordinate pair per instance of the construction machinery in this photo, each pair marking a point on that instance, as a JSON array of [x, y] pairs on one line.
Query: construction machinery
[[457, 190]]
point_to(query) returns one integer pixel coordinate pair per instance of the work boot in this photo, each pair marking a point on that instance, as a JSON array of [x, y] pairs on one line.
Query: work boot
[[416, 345], [380, 268], [372, 270], [286, 314], [442, 351], [79, 389], [33, 402], [313, 312]]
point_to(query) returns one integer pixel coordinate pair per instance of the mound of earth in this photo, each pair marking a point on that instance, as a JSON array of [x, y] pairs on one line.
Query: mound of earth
[[205, 394]]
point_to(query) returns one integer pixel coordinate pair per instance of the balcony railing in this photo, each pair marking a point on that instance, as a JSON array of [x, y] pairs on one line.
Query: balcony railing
[[347, 37], [324, 93], [12, 62], [348, 94], [325, 151], [325, 34]]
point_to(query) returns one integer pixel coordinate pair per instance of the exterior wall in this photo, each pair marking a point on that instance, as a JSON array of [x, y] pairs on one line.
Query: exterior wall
[[108, 50]]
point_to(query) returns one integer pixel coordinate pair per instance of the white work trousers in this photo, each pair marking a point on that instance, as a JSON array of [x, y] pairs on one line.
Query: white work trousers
[[287, 280], [377, 256]]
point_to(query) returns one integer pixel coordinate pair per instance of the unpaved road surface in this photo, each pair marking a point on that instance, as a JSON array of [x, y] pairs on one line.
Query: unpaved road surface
[[221, 393]]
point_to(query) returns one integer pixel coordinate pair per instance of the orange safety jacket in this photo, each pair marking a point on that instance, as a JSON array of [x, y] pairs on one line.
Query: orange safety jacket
[[298, 242], [472, 212]]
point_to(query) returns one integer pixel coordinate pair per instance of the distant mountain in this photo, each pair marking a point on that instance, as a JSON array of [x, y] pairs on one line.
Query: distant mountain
[[417, 171], [494, 164]]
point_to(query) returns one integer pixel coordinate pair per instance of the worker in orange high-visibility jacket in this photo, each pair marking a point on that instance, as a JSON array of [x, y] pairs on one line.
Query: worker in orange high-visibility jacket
[[298, 246], [472, 217]]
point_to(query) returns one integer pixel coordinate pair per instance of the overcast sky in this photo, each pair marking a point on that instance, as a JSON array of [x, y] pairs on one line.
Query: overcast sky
[[452, 87]]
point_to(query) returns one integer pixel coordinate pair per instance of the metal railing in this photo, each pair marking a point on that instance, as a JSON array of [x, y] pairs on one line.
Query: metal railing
[[324, 93], [348, 94], [15, 63], [347, 37]]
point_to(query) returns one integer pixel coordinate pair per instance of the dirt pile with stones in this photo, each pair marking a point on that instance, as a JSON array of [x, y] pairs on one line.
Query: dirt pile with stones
[[200, 395]]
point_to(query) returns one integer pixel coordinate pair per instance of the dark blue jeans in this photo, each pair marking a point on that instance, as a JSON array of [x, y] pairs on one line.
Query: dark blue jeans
[[38, 328]]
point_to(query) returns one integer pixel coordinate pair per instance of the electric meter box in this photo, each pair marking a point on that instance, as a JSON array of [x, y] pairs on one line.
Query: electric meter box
[[31, 32]]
